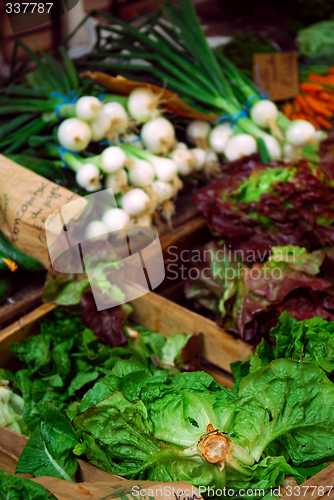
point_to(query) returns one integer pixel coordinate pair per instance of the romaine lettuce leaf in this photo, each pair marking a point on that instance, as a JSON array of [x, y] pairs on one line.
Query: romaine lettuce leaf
[[19, 488], [49, 449], [118, 434], [291, 402]]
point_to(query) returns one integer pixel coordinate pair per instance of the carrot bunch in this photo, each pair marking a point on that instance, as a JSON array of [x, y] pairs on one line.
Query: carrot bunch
[[315, 102]]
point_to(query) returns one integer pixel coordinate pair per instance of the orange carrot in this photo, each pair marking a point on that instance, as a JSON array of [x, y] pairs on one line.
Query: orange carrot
[[323, 122], [305, 107], [324, 96], [318, 107], [287, 109], [297, 106], [330, 105], [294, 116], [312, 120], [327, 80], [311, 87], [302, 116]]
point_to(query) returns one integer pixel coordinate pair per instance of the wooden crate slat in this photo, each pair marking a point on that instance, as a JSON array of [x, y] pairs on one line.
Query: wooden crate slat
[[165, 317], [13, 443]]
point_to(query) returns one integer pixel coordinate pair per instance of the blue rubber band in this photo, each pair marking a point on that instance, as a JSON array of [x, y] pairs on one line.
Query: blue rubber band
[[107, 143], [137, 139], [234, 117], [63, 151], [101, 96], [65, 100], [224, 118], [251, 99], [129, 142], [240, 115]]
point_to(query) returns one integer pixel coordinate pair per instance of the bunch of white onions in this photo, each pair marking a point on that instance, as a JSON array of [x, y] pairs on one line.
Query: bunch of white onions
[[221, 139], [93, 121], [294, 135], [226, 140]]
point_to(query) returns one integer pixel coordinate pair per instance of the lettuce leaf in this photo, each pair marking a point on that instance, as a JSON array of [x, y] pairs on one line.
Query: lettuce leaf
[[291, 402], [247, 300], [118, 434], [254, 207], [309, 340], [49, 449], [64, 361], [19, 488]]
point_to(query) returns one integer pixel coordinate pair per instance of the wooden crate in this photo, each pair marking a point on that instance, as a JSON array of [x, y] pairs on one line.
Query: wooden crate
[[161, 315], [12, 444]]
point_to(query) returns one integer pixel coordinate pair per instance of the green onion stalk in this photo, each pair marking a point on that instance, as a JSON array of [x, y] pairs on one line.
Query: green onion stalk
[[47, 95], [177, 55]]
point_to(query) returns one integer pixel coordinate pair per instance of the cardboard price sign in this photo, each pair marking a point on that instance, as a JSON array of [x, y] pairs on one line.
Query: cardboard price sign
[[26, 200], [277, 74]]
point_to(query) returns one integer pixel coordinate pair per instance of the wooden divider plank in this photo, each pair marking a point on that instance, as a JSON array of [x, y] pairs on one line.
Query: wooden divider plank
[[309, 490], [12, 444], [165, 317]]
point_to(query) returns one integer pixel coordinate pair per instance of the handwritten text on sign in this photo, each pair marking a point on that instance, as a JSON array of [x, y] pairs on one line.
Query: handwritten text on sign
[[26, 200], [277, 74]]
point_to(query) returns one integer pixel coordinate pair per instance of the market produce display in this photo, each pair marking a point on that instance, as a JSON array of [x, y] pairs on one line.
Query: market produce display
[[140, 421], [175, 52], [72, 124], [315, 102], [149, 108], [254, 206], [247, 299], [62, 363]]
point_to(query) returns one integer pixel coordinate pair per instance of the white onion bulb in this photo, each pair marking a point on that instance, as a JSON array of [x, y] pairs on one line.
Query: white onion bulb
[[291, 152], [165, 168], [119, 120], [142, 104], [116, 181], [239, 146], [263, 113], [87, 108], [96, 229], [300, 133], [135, 201], [273, 147], [200, 157], [219, 136], [184, 160], [74, 134], [158, 136], [94, 187], [87, 175], [181, 145], [100, 127], [142, 173], [211, 156], [163, 190], [198, 129], [115, 219], [144, 220], [319, 135], [112, 159]]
